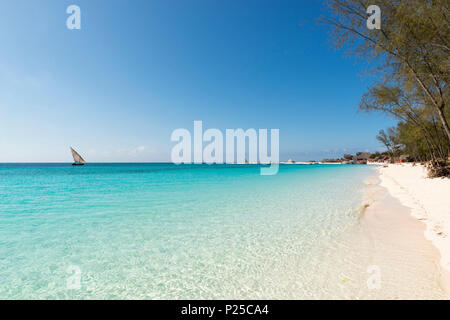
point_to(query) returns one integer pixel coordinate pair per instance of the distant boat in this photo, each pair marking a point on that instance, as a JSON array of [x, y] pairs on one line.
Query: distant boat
[[78, 160]]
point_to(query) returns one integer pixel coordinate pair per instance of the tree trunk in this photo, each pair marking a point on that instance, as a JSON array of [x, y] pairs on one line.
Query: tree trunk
[[444, 122]]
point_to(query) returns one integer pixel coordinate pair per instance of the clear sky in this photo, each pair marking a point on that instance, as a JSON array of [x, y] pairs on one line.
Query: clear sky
[[116, 89]]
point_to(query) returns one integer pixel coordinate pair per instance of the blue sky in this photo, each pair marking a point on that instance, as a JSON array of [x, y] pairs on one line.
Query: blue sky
[[116, 89]]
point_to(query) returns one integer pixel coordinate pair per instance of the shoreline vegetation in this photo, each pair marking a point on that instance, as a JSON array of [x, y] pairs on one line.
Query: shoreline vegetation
[[361, 158], [407, 62]]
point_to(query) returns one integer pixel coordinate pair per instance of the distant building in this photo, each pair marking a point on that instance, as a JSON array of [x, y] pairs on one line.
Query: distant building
[[361, 158], [348, 157]]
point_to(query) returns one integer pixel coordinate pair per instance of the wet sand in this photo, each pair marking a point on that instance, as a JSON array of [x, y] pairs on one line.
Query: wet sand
[[428, 201], [408, 263]]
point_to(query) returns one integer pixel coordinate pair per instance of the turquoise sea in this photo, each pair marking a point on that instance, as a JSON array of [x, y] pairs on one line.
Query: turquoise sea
[[157, 231]]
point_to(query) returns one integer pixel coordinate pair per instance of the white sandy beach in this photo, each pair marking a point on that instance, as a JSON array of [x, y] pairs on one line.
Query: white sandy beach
[[429, 202]]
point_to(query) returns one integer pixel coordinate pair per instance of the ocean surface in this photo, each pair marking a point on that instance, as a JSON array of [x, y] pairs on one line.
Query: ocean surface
[[165, 231]]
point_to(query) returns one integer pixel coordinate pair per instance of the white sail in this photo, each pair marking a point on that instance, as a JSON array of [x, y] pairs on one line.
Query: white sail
[[76, 157]]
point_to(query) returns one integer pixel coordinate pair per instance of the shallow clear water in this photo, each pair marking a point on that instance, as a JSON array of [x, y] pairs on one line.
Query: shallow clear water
[[165, 231]]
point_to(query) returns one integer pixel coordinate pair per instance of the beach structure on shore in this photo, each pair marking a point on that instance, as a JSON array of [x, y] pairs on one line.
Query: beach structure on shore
[[361, 158]]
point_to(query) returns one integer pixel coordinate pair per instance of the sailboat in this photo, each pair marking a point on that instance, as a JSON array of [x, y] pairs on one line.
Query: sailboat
[[78, 160]]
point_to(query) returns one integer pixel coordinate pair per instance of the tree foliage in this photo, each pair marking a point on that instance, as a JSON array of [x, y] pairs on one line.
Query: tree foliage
[[409, 55]]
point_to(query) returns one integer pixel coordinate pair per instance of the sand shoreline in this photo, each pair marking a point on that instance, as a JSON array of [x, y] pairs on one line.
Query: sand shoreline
[[428, 201]]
